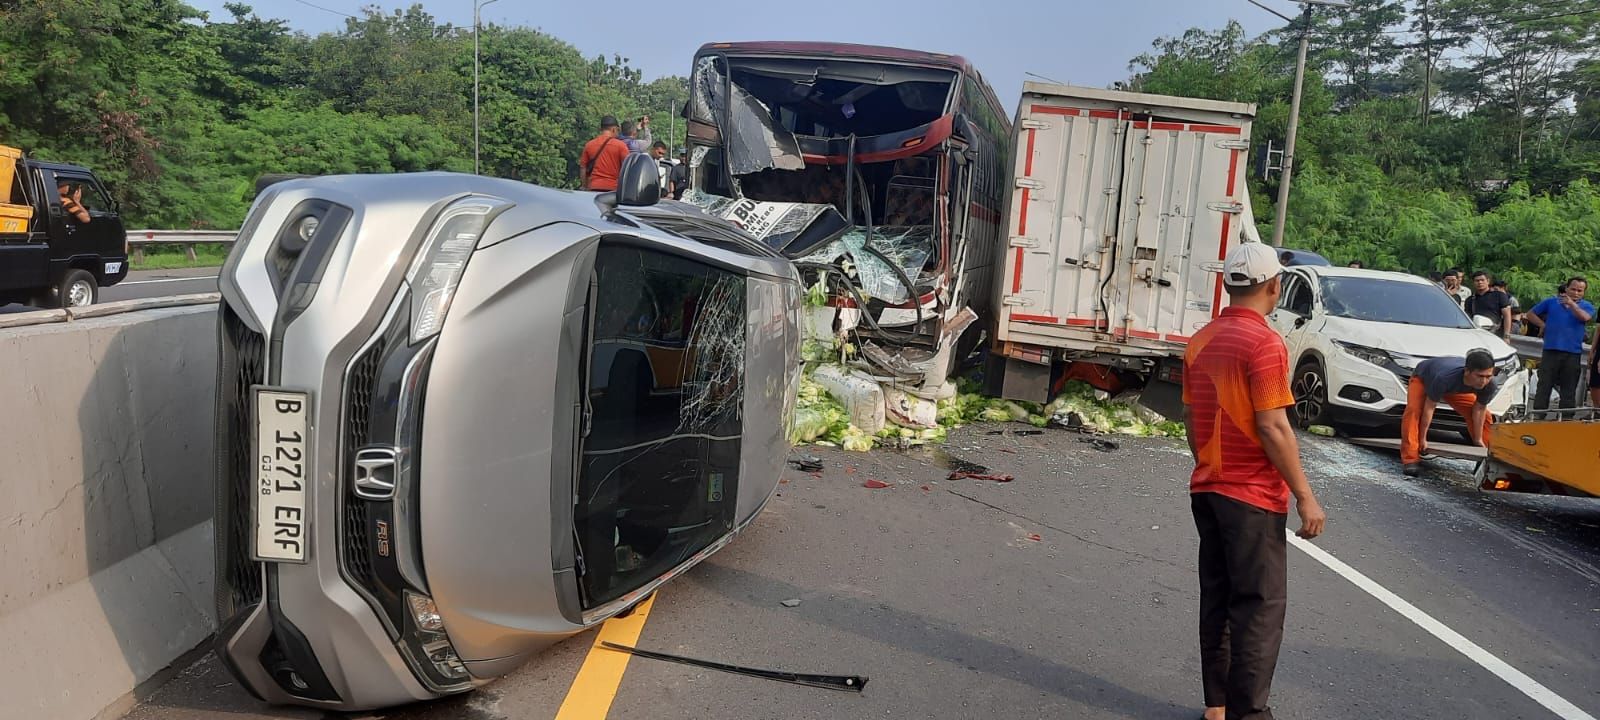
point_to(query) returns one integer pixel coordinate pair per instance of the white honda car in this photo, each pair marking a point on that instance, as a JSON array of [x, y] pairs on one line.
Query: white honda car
[[1355, 336]]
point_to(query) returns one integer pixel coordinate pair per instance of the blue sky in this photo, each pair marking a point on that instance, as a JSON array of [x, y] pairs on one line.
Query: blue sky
[[1083, 42]]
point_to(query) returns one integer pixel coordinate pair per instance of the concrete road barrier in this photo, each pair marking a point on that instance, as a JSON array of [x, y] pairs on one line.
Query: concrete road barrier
[[105, 506]]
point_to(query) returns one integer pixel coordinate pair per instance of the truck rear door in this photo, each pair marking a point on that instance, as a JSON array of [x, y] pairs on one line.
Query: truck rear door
[[1120, 216]]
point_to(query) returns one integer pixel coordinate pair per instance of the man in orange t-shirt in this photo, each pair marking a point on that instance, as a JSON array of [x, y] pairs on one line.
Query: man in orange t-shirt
[[601, 160], [1247, 462]]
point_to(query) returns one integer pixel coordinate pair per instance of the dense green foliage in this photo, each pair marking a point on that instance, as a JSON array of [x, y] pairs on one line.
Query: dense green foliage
[[1434, 133], [180, 112], [1490, 159]]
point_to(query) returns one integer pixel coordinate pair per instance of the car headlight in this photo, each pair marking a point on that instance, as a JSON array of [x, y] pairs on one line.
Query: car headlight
[[1375, 356], [1408, 362], [1508, 365], [427, 643], [442, 259]]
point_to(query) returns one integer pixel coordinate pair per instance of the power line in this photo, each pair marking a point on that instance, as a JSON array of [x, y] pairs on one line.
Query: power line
[[319, 7], [1509, 21], [1503, 21], [1495, 23]]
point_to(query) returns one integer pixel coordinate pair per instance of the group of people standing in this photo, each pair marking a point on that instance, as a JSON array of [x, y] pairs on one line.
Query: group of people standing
[[600, 162], [1561, 320]]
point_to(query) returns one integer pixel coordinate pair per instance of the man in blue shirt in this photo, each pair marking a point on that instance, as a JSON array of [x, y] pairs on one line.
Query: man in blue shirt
[[1563, 318]]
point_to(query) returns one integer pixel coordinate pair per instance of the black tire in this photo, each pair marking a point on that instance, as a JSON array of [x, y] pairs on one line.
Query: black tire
[[1310, 389], [77, 288]]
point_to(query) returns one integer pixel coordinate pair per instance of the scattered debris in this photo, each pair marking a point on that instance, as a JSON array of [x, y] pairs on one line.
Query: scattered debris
[[941, 456], [792, 602], [1035, 537], [925, 488], [847, 683], [872, 484], [848, 407], [806, 463], [961, 474], [1322, 430], [1101, 444]]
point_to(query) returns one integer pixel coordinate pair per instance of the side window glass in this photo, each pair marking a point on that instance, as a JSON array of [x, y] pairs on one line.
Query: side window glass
[[1290, 284], [1302, 298], [83, 192]]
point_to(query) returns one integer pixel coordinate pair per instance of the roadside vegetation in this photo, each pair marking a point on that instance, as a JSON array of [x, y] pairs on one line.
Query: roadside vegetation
[[177, 259], [1455, 133]]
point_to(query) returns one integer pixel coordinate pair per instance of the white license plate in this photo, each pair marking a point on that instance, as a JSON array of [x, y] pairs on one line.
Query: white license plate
[[283, 469], [113, 268]]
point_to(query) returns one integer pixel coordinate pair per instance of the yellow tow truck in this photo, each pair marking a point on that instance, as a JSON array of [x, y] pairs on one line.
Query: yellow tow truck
[[1558, 456]]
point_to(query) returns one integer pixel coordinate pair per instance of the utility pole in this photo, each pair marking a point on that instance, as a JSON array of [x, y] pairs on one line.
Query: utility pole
[[477, 9], [1294, 110], [1427, 58]]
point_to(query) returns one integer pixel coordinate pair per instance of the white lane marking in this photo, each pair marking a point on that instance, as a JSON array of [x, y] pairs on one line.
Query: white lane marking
[[1485, 659], [166, 280]]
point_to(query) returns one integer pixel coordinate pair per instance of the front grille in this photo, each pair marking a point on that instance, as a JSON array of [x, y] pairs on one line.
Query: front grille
[[358, 559], [357, 423], [242, 366]]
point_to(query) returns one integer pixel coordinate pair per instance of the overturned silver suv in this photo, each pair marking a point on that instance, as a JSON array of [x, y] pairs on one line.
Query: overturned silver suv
[[462, 418]]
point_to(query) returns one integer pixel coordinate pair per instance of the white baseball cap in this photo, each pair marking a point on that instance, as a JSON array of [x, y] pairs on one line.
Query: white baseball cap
[[1250, 263]]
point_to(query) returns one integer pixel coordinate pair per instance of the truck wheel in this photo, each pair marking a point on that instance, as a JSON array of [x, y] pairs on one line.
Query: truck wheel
[[1310, 388], [76, 289]]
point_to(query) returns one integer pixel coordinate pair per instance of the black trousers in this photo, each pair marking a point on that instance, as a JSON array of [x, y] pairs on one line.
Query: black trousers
[[1244, 589], [1559, 371]]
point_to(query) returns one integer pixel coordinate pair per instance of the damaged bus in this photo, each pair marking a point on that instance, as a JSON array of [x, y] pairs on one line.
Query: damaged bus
[[877, 170]]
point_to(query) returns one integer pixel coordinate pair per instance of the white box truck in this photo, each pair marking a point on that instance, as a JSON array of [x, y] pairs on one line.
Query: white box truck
[[1121, 208]]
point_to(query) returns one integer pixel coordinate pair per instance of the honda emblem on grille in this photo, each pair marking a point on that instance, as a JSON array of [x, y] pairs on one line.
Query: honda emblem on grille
[[374, 475]]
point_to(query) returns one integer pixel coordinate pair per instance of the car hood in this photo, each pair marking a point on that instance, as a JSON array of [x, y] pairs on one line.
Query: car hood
[[1417, 340]]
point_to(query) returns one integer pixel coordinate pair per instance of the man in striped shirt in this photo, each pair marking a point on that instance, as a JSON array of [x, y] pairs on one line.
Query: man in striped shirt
[[1247, 462]]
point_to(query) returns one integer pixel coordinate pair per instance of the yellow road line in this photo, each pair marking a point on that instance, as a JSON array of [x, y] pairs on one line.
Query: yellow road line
[[592, 691]]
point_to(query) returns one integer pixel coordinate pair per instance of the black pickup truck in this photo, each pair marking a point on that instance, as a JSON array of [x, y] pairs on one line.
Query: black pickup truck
[[61, 259]]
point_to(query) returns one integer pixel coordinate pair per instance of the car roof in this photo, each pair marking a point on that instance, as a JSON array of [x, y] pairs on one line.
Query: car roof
[[1337, 271], [847, 51], [45, 165]]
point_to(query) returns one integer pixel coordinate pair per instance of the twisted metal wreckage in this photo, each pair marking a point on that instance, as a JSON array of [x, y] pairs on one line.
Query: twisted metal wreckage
[[796, 151]]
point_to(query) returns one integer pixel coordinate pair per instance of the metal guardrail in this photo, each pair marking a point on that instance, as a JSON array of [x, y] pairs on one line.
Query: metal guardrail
[[138, 240], [118, 307], [1532, 348]]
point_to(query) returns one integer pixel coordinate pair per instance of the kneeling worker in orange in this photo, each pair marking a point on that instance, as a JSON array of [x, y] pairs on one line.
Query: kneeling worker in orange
[[1466, 384]]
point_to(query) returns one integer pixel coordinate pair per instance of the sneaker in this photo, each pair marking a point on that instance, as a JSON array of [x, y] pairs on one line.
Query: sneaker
[[1412, 469]]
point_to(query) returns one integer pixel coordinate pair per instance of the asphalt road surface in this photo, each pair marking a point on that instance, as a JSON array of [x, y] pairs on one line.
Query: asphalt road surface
[[1071, 593], [148, 284]]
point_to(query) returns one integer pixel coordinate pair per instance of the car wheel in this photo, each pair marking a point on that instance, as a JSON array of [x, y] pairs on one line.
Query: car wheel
[[1310, 388], [76, 289]]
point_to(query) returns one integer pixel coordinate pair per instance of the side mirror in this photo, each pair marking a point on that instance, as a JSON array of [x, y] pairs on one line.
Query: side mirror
[[1483, 323], [639, 183]]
